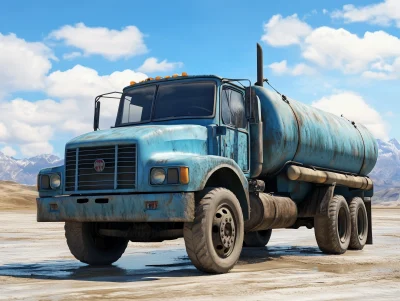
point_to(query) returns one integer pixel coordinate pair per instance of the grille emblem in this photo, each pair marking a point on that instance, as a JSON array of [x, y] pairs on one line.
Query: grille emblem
[[99, 165]]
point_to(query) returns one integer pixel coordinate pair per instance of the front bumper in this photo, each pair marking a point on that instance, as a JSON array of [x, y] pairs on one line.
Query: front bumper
[[157, 207]]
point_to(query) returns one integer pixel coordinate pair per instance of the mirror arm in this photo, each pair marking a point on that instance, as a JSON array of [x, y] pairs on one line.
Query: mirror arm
[[96, 115]]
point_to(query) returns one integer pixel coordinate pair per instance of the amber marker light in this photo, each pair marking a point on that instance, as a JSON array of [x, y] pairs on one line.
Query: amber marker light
[[184, 74], [133, 83], [175, 75], [184, 175]]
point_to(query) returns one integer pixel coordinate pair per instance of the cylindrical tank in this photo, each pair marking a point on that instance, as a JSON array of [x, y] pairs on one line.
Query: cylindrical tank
[[293, 131]]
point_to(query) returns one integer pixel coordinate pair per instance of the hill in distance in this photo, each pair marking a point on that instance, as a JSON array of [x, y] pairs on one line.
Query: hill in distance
[[14, 196]]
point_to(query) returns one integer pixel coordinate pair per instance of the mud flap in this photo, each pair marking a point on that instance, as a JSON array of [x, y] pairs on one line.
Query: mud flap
[[318, 201], [367, 202], [326, 198]]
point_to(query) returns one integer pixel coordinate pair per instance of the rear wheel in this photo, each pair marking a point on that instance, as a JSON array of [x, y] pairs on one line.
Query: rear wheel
[[89, 247], [257, 238], [214, 240], [333, 231], [359, 224]]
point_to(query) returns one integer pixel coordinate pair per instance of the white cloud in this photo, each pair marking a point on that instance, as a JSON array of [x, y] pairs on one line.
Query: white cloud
[[383, 13], [29, 125], [325, 11], [87, 82], [25, 132], [3, 131], [384, 71], [151, 65], [72, 55], [110, 43], [382, 66], [87, 85], [377, 75], [281, 31], [8, 151], [24, 65], [32, 125], [281, 68], [354, 108], [374, 55], [340, 49], [302, 69], [37, 148]]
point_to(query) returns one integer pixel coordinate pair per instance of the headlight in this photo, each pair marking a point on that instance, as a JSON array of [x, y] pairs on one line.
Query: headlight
[[157, 176], [55, 181]]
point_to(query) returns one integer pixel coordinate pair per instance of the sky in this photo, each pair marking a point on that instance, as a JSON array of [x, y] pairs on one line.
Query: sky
[[55, 57]]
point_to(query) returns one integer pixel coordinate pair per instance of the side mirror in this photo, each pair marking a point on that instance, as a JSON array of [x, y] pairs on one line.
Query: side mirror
[[251, 104], [96, 116]]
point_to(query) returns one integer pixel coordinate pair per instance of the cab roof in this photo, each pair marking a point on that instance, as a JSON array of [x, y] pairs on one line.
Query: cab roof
[[175, 77]]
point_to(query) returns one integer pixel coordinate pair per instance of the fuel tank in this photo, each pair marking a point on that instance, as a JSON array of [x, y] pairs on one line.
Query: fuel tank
[[293, 131]]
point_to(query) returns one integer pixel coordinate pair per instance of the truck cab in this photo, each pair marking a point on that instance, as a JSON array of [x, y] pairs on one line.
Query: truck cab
[[173, 138]]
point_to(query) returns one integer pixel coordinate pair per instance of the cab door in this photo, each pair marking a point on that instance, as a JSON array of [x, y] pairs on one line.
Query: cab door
[[235, 143]]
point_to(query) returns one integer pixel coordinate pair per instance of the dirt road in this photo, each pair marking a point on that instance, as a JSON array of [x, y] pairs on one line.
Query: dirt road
[[35, 264]]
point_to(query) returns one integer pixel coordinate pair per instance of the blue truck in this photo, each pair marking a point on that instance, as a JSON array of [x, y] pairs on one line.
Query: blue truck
[[217, 161]]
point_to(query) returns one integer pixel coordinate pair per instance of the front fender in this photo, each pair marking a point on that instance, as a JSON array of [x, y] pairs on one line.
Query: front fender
[[201, 168], [48, 171]]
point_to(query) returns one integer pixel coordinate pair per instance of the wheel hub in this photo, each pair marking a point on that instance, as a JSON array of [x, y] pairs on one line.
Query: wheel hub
[[224, 232]]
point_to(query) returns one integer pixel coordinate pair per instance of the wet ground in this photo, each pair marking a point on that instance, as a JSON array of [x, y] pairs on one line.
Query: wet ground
[[35, 264]]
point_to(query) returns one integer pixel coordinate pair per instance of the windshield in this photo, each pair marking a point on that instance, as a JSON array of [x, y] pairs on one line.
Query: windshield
[[172, 100]]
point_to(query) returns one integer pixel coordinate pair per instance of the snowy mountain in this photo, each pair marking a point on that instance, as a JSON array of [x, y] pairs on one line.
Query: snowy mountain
[[386, 173], [24, 171]]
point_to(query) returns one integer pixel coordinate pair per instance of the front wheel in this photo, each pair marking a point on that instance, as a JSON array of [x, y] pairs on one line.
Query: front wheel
[[91, 248], [214, 240]]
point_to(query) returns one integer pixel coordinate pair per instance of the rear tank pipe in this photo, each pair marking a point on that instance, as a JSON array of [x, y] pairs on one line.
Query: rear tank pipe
[[270, 212]]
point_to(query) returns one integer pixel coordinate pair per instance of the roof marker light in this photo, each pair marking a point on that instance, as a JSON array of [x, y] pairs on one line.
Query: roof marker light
[[184, 74], [133, 83], [175, 75]]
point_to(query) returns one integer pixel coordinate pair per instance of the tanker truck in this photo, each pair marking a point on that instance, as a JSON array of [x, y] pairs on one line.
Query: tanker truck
[[216, 161]]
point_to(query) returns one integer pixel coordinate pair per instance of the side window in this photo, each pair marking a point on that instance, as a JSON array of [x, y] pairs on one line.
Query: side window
[[233, 112]]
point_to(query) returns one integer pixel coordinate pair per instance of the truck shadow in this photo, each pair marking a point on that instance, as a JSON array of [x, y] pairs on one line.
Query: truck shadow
[[134, 268]]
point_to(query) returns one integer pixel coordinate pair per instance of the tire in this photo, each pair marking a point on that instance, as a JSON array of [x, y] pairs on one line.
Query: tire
[[214, 240], [333, 232], [257, 239], [359, 224], [91, 248]]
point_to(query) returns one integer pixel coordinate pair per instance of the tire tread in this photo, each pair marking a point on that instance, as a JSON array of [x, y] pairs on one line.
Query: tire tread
[[195, 234]]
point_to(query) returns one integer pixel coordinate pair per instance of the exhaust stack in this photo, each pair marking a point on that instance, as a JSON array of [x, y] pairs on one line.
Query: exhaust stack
[[260, 66]]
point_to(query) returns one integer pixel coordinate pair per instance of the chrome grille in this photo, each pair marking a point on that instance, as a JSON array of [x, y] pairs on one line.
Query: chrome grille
[[119, 169]]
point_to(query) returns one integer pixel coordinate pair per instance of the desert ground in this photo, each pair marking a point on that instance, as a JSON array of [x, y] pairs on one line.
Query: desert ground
[[35, 264]]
